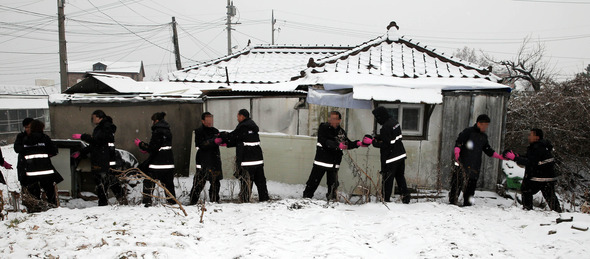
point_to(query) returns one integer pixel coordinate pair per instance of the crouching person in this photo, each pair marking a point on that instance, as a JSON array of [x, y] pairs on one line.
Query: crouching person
[[539, 174], [208, 160], [160, 163], [332, 140]]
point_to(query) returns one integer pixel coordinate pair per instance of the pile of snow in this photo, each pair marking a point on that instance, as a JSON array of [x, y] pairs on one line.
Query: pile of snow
[[289, 226]]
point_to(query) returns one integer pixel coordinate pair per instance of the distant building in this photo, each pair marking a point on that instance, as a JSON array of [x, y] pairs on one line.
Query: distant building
[[21, 101], [78, 69]]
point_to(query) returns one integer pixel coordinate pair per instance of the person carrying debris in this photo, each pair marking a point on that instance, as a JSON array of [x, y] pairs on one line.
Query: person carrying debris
[[249, 159], [160, 163], [332, 140], [469, 145], [539, 174], [208, 160], [101, 147], [37, 149], [21, 161], [393, 155]]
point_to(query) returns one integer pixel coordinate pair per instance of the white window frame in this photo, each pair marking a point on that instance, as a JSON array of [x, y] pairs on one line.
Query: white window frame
[[400, 107]]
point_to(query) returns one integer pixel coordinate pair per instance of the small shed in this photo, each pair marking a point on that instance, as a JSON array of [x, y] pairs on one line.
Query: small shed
[[131, 105]]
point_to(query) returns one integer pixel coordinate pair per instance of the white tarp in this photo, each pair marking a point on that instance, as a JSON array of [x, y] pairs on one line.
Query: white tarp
[[334, 99], [401, 94], [23, 103]]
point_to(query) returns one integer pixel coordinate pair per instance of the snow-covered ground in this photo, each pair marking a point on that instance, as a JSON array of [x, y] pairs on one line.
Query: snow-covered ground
[[292, 227]]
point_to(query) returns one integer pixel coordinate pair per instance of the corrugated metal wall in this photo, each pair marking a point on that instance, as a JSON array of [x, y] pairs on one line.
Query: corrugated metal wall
[[460, 110]]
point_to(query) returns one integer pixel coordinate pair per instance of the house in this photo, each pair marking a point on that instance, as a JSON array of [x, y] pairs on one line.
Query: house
[[21, 101], [433, 95], [78, 69]]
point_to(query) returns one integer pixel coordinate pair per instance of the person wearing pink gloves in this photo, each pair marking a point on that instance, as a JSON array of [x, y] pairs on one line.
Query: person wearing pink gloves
[[160, 163], [469, 145], [539, 173], [393, 155], [101, 147], [332, 140], [4, 164], [208, 160]]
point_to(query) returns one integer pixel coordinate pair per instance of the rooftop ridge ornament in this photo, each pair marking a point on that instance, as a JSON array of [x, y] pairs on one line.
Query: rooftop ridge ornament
[[393, 31]]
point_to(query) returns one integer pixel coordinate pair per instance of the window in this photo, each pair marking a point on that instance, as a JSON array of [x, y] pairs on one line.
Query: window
[[410, 117], [11, 120]]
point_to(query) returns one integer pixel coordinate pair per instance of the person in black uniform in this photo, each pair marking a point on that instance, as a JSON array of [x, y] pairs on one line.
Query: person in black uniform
[[332, 140], [207, 159], [249, 159], [37, 149], [160, 163], [539, 174], [101, 147], [468, 148], [393, 155], [18, 145]]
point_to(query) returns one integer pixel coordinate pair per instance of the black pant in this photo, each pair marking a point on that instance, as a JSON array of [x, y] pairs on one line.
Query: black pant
[[394, 170], [104, 182], [201, 176], [166, 178], [463, 180], [317, 173], [247, 175], [34, 188], [530, 188]]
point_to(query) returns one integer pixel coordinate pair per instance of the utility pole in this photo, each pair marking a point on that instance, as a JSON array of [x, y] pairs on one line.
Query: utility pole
[[175, 42], [63, 53], [231, 11], [273, 21]]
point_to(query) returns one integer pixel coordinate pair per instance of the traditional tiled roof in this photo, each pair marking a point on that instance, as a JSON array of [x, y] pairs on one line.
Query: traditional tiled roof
[[391, 55], [256, 65]]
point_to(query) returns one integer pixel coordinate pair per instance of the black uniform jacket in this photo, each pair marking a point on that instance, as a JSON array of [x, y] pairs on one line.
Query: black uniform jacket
[[101, 145], [472, 143], [247, 142], [538, 161], [327, 153], [207, 151], [390, 143], [160, 147], [37, 149]]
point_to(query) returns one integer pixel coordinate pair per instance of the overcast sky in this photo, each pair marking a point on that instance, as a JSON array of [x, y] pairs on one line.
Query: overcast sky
[[132, 30]]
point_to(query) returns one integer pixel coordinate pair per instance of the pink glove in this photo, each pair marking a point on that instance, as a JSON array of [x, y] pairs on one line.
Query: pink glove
[[360, 144], [367, 141], [498, 156], [342, 146], [510, 155], [218, 141], [137, 141], [76, 136], [75, 155], [7, 165], [223, 145], [143, 151], [457, 153]]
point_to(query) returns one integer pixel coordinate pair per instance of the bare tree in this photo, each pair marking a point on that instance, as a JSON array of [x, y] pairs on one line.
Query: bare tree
[[528, 65]]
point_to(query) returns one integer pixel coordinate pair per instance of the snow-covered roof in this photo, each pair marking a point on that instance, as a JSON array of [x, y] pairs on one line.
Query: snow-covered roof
[[256, 65], [391, 68], [393, 56], [112, 66], [27, 90]]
